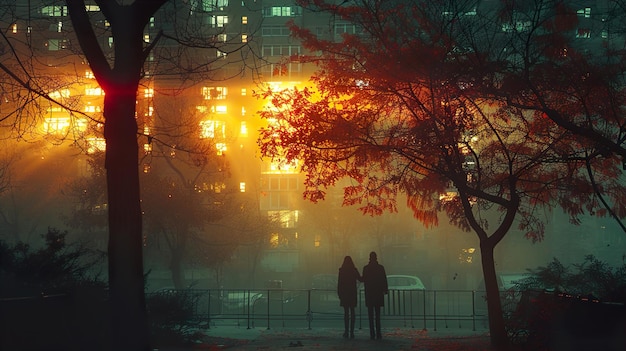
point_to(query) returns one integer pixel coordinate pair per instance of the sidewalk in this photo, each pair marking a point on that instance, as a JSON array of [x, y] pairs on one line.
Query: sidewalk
[[399, 339]]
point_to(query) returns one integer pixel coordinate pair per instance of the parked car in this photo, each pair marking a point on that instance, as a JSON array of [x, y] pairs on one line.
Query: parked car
[[404, 282], [238, 301], [407, 295]]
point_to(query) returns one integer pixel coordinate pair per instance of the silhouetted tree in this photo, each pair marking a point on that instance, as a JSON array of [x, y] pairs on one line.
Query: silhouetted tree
[[564, 63]]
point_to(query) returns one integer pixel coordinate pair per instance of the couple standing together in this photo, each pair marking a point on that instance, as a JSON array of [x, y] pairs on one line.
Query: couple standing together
[[374, 279]]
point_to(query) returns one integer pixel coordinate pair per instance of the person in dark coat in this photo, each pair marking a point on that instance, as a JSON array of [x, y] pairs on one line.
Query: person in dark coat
[[346, 290], [375, 280]]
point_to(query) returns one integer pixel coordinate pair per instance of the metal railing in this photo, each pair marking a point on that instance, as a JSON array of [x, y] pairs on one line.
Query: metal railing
[[310, 308]]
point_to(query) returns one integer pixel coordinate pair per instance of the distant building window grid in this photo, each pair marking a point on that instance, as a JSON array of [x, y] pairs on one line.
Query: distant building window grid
[[219, 21], [281, 70], [347, 28], [282, 11], [58, 44], [586, 12], [54, 11], [275, 31], [584, 33], [280, 50], [208, 5], [214, 93]]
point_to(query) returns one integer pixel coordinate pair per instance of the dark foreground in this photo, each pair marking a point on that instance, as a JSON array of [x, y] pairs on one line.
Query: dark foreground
[[242, 339]]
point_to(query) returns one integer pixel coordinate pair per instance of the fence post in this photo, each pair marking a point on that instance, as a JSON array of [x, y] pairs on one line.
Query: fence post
[[473, 311], [435, 309], [309, 315], [248, 314], [424, 309], [268, 309], [209, 312]]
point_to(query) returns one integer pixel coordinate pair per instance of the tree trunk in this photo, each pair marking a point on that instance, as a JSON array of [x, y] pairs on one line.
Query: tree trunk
[[129, 328], [499, 337]]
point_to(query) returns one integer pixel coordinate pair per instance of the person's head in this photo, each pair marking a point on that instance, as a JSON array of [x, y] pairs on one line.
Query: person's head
[[373, 256], [347, 262]]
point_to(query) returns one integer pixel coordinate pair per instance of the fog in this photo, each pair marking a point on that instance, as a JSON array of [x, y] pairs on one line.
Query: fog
[[40, 192]]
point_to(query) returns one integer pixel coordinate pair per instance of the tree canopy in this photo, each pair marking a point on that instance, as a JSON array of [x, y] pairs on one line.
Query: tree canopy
[[405, 103]]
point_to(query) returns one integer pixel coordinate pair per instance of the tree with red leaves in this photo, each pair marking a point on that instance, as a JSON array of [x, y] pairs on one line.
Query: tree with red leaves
[[405, 105]]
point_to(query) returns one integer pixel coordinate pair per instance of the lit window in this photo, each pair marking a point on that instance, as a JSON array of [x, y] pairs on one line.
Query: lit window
[[95, 144], [14, 28], [151, 22], [586, 12], [317, 241], [214, 93], [244, 92], [583, 33], [219, 21], [244, 38], [92, 8], [242, 187], [92, 108], [221, 147], [222, 37], [110, 42], [218, 187], [54, 11], [147, 148], [57, 44], [221, 54], [63, 93], [148, 92], [221, 109], [286, 218], [89, 74], [54, 125], [146, 38], [282, 11], [243, 111], [94, 91], [274, 240], [244, 20], [243, 129], [212, 129], [59, 26], [150, 111], [280, 166]]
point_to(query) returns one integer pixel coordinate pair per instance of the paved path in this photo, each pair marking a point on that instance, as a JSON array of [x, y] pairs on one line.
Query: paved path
[[243, 339]]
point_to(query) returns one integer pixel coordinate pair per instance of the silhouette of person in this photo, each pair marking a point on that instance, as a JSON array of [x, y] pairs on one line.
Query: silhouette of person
[[347, 292], [375, 281]]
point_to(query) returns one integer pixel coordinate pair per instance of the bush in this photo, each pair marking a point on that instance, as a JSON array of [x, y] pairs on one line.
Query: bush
[[55, 268], [571, 308], [50, 299], [172, 317], [591, 277]]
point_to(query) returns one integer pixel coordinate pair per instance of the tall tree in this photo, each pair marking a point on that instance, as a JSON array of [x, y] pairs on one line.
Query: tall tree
[[565, 64], [401, 104], [119, 77], [120, 81], [117, 39]]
